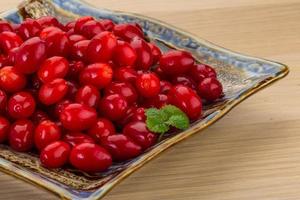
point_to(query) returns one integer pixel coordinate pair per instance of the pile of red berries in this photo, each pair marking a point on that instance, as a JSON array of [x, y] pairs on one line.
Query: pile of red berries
[[77, 93]]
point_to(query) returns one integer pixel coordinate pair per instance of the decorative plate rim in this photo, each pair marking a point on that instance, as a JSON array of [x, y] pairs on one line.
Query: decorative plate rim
[[154, 153]]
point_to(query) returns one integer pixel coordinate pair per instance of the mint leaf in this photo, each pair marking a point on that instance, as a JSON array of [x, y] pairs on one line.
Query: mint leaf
[[160, 120]]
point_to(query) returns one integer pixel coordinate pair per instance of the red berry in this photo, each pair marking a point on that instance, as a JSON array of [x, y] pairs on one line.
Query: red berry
[[98, 75], [125, 74], [38, 116], [91, 28], [46, 31], [52, 68], [200, 71], [46, 133], [11, 80], [127, 31], [148, 85], [161, 74], [75, 68], [79, 49], [124, 89], [144, 53], [5, 26], [124, 54], [187, 100], [4, 129], [107, 24], [157, 102], [80, 21], [9, 40], [21, 105], [184, 80], [165, 87], [21, 135], [57, 44], [60, 106], [75, 38], [72, 89], [69, 25], [113, 106], [55, 155], [3, 101], [210, 89], [29, 28], [77, 117], [121, 147], [88, 95], [176, 62], [53, 91], [102, 129], [156, 53], [30, 55], [46, 21], [90, 158], [75, 138], [101, 47], [139, 133]]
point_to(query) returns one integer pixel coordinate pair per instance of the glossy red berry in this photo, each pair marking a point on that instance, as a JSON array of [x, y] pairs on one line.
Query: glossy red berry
[[127, 31], [57, 44], [210, 89], [88, 95], [101, 129], [11, 56], [79, 49], [76, 138], [21, 105], [91, 28], [9, 40], [73, 87], [176, 62], [156, 53], [77, 117], [184, 80], [29, 28], [125, 74], [140, 134], [4, 129], [101, 47], [52, 68], [124, 54], [21, 135], [55, 155], [156, 102], [98, 75], [46, 31], [53, 91], [47, 21], [5, 26], [60, 106], [76, 38], [11, 80], [69, 25], [113, 106], [90, 158], [187, 100], [148, 85], [30, 55], [144, 53], [80, 21], [200, 71], [107, 24], [3, 101], [124, 89], [121, 147], [38, 116], [46, 133], [75, 67], [165, 87]]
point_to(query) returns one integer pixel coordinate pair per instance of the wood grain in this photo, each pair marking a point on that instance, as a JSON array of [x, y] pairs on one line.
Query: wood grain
[[254, 151]]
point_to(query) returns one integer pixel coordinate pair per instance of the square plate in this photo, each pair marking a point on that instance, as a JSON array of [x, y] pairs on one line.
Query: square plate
[[240, 75]]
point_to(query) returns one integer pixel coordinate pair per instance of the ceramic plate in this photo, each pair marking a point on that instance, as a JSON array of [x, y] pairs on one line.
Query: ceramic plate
[[240, 75]]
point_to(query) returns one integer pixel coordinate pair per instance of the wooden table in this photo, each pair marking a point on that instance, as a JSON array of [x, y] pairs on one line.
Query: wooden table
[[253, 152]]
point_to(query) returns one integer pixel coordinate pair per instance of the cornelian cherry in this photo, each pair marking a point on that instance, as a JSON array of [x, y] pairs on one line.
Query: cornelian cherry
[[91, 28], [55, 155], [79, 22], [113, 106], [75, 138], [124, 89], [11, 80], [21, 135], [57, 44], [29, 28], [101, 129], [165, 87], [144, 53], [107, 24], [47, 21], [46, 31], [78, 50], [21, 105], [76, 38], [210, 89], [88, 95], [77, 117], [3, 101], [125, 74], [148, 85], [90, 158], [5, 26], [45, 133], [9, 40], [127, 31], [156, 53], [53, 91], [184, 80], [4, 129], [200, 71], [124, 54]]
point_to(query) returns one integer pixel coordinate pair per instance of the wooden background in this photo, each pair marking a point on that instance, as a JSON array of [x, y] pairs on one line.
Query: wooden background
[[253, 152]]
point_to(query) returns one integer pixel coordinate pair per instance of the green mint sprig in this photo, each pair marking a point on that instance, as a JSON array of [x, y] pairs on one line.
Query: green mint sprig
[[160, 120]]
